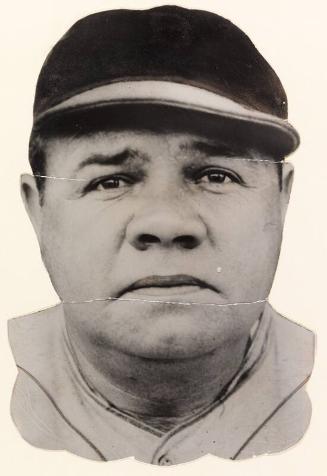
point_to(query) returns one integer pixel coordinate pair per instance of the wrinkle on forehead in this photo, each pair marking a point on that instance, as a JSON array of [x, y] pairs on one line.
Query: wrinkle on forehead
[[178, 146]]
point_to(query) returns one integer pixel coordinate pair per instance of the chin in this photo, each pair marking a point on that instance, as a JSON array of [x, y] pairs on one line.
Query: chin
[[166, 331], [171, 346], [160, 331]]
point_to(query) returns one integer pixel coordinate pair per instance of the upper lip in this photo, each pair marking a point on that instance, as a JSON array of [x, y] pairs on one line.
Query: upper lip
[[157, 281]]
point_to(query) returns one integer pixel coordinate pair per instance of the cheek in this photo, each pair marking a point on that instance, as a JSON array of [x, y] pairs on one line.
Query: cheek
[[79, 246], [248, 237]]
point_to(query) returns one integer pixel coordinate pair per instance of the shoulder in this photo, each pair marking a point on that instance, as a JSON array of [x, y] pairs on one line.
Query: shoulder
[[287, 368], [44, 397], [284, 324], [293, 345], [32, 336]]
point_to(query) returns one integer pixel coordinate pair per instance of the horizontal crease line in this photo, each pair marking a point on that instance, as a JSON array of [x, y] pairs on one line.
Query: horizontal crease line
[[60, 178], [190, 303]]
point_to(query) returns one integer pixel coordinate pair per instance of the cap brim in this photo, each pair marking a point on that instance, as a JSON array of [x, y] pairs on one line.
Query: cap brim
[[188, 103]]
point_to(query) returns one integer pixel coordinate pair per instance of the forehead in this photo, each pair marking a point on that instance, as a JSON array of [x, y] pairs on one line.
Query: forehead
[[141, 139], [69, 152]]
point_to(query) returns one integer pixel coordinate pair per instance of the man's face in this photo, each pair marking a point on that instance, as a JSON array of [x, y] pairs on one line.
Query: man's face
[[156, 218]]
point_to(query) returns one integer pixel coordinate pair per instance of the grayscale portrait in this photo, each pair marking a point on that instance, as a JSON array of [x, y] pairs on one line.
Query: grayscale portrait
[[158, 195]]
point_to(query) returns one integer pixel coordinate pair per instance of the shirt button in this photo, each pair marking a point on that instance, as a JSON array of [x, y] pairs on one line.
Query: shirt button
[[164, 461]]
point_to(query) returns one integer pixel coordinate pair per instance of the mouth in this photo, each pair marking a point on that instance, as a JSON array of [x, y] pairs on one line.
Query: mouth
[[162, 285]]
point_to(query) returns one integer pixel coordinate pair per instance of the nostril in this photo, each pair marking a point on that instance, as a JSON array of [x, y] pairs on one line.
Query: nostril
[[145, 239], [186, 241]]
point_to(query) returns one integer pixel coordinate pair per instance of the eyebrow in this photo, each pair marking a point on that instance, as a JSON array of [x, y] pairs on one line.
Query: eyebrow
[[115, 159], [219, 149]]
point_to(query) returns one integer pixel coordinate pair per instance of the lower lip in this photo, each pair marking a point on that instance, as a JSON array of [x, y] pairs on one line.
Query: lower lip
[[172, 294]]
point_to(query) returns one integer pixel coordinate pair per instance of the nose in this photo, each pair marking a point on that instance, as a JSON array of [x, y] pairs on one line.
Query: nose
[[166, 227]]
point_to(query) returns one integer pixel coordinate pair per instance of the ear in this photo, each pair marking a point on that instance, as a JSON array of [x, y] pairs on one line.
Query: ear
[[32, 201], [287, 182]]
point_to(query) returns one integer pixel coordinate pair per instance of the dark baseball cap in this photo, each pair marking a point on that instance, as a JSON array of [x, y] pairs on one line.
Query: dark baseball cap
[[168, 62]]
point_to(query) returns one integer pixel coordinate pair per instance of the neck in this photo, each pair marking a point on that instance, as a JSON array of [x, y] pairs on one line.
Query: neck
[[170, 388]]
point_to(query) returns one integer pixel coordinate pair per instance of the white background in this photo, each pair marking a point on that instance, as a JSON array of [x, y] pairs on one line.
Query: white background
[[292, 36]]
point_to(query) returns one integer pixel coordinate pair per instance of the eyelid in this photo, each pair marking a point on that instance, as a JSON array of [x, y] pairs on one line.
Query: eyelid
[[92, 184], [198, 174]]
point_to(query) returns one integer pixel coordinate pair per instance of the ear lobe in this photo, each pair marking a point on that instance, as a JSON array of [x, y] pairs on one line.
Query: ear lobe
[[287, 182], [32, 201]]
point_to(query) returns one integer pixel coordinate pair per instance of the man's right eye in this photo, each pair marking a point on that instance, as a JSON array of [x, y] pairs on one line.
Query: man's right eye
[[113, 182]]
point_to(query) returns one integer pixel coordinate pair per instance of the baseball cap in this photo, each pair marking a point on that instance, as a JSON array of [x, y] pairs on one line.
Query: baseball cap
[[167, 62]]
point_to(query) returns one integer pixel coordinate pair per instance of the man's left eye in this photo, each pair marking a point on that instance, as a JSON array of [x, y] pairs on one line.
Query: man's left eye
[[215, 177], [218, 177]]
